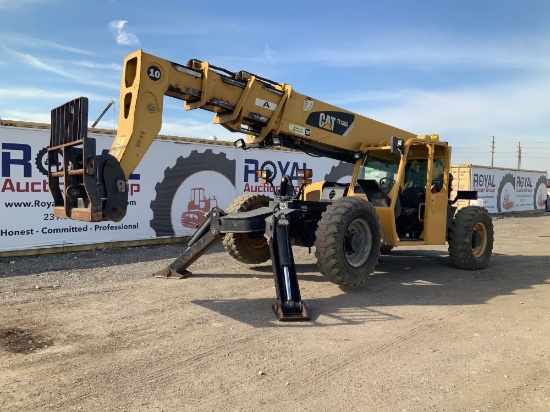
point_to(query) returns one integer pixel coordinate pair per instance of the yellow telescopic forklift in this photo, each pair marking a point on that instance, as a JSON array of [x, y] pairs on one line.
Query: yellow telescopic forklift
[[399, 194]]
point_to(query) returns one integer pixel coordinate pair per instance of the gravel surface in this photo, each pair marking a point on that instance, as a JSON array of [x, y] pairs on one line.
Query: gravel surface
[[95, 331]]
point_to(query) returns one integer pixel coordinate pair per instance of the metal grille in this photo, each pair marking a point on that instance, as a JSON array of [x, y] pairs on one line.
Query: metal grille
[[69, 123]]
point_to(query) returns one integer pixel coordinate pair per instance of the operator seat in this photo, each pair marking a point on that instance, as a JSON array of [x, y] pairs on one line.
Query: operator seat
[[407, 222]]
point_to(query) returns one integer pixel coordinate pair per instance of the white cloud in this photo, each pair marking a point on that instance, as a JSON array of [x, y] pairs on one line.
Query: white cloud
[[93, 65], [425, 51], [23, 93], [122, 36], [36, 63], [60, 69], [22, 40], [193, 123], [427, 57], [20, 4], [27, 116], [269, 54], [511, 108], [190, 127], [468, 117]]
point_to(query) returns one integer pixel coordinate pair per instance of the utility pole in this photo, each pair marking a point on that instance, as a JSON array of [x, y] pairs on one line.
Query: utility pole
[[519, 155], [493, 152]]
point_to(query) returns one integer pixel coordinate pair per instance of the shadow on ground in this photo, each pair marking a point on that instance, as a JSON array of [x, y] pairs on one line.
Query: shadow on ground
[[90, 259], [405, 278]]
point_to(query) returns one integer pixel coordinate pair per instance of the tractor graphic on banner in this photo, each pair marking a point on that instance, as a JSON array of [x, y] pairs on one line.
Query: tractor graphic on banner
[[197, 208]]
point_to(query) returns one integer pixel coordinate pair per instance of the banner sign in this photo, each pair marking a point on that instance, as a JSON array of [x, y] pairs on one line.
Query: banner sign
[[170, 191], [509, 190], [177, 183], [281, 163]]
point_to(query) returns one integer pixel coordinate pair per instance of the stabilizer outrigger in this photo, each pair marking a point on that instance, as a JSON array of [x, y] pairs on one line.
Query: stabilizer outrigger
[[279, 222]]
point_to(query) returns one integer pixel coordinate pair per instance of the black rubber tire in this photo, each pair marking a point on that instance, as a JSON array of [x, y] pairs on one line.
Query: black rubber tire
[[465, 253], [508, 178], [339, 242], [174, 177], [544, 182], [247, 247]]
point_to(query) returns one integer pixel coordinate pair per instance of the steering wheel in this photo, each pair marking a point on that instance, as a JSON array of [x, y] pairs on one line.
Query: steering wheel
[[386, 183]]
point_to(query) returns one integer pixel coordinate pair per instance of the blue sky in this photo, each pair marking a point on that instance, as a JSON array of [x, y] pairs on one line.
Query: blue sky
[[467, 70]]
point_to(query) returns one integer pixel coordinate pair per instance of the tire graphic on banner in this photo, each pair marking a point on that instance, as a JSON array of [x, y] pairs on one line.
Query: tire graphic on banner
[[270, 168], [175, 176], [539, 194], [506, 193], [41, 161], [341, 170]]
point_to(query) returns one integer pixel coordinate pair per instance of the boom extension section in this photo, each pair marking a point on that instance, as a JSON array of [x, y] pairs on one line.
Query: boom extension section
[[271, 114]]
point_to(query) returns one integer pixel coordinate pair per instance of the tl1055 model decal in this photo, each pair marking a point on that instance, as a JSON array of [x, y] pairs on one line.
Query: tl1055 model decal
[[336, 122]]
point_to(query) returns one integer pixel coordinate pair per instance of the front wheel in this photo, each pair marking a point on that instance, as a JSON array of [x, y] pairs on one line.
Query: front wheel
[[348, 241], [471, 238]]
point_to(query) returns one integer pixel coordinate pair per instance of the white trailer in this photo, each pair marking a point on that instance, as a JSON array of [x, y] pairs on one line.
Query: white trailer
[[502, 190]]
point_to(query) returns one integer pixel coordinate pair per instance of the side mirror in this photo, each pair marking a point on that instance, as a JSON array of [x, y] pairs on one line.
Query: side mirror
[[396, 145], [465, 195]]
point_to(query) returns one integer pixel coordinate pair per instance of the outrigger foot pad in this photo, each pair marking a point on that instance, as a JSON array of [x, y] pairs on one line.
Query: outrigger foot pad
[[171, 274], [291, 314]]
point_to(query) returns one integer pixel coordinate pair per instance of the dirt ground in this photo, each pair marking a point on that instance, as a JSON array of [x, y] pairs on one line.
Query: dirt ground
[[95, 331]]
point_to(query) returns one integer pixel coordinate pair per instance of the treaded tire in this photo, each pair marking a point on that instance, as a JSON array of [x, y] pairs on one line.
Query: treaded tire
[[247, 247], [175, 176], [348, 241], [471, 238]]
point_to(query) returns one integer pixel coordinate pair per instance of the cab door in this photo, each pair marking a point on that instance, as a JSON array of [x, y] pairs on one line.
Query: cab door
[[437, 194]]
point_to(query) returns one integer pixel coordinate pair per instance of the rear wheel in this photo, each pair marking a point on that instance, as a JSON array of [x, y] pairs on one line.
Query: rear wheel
[[247, 247], [471, 238], [348, 241]]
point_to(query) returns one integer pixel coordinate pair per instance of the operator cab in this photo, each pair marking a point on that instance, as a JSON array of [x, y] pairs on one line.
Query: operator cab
[[381, 168]]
